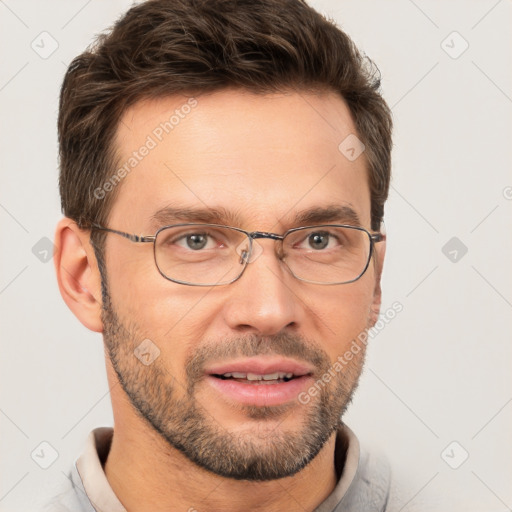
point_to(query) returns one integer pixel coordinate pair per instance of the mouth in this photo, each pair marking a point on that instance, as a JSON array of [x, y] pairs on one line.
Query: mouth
[[260, 381], [254, 378]]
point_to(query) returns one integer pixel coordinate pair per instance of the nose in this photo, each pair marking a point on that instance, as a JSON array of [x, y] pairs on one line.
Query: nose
[[264, 301]]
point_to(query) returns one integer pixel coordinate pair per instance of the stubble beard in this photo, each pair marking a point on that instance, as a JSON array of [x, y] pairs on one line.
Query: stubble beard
[[258, 453]]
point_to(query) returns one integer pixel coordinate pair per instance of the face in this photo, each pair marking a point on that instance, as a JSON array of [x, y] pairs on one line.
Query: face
[[260, 163]]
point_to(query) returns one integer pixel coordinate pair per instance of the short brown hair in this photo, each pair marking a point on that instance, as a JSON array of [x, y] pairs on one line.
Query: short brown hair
[[165, 47]]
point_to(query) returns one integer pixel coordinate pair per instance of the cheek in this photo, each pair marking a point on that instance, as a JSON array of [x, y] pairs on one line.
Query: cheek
[[174, 317], [137, 289], [342, 315]]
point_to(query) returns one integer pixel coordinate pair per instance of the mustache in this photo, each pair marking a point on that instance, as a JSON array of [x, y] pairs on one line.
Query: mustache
[[285, 344]]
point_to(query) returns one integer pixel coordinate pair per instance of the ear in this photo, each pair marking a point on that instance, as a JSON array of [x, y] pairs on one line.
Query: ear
[[380, 253], [78, 275]]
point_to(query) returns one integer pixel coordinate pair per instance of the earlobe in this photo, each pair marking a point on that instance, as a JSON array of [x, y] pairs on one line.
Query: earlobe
[[376, 303], [77, 274], [380, 249]]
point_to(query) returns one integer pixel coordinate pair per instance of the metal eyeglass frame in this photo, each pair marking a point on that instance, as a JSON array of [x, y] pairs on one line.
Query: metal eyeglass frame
[[245, 258]]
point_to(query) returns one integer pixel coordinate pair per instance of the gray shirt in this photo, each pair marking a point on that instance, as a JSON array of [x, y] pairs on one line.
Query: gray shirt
[[364, 480]]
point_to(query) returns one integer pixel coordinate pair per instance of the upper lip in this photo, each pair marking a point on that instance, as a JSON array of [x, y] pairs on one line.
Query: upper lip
[[261, 366]]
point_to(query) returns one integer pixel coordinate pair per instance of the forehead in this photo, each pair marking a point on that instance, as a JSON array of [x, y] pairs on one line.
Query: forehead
[[261, 159]]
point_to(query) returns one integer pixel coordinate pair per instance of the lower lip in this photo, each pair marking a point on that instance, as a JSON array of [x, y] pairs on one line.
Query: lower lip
[[260, 394]]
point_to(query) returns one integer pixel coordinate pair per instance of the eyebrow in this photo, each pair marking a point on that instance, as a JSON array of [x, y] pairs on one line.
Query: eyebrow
[[172, 215], [333, 213], [317, 215]]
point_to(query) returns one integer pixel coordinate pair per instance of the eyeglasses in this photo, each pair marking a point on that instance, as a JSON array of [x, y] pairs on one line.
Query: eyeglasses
[[212, 254]]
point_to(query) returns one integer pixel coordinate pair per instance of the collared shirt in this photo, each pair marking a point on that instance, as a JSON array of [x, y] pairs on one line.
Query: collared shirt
[[363, 480]]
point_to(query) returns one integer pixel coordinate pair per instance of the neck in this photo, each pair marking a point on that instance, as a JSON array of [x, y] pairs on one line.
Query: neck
[[148, 475]]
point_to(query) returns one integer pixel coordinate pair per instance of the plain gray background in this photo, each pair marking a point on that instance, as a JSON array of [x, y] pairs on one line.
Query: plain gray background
[[437, 384]]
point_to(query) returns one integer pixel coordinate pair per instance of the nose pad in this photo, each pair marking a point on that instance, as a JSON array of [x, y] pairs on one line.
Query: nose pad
[[248, 255], [243, 256]]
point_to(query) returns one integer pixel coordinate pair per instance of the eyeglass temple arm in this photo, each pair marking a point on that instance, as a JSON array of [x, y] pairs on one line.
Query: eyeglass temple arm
[[133, 238], [378, 237]]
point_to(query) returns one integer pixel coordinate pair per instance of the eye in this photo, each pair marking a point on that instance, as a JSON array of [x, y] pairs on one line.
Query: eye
[[318, 240], [196, 241], [323, 239]]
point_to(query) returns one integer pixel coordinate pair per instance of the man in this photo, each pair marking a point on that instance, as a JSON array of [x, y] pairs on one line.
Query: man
[[224, 168]]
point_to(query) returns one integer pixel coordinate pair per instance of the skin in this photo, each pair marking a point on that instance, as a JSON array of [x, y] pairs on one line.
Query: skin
[[265, 159]]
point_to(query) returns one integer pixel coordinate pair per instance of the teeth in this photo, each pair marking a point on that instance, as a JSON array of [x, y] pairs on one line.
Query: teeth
[[255, 376]]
